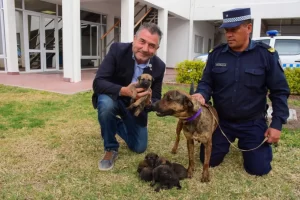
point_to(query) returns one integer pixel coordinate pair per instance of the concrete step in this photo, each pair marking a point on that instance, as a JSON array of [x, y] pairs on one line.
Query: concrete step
[[292, 116]]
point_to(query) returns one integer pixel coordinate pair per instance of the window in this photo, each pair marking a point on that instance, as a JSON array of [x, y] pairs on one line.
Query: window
[[89, 16], [287, 46], [198, 44], [18, 4]]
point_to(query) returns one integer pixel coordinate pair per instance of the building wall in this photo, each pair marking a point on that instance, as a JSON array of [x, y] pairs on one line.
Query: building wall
[[180, 8], [177, 45], [205, 30], [212, 10]]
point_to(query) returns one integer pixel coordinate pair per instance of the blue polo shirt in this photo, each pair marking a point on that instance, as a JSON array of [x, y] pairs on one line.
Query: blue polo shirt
[[138, 69], [239, 82]]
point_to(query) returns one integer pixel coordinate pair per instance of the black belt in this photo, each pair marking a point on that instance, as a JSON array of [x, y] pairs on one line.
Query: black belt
[[255, 117]]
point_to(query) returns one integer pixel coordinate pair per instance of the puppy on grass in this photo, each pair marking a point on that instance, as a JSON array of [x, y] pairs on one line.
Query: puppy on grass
[[146, 166], [166, 177], [144, 81], [160, 170], [179, 169]]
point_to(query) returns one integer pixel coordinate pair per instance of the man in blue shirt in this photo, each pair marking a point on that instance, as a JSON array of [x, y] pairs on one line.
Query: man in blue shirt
[[238, 76], [121, 67]]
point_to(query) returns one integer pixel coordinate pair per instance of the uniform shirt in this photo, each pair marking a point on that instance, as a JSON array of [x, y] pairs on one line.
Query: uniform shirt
[[239, 82]]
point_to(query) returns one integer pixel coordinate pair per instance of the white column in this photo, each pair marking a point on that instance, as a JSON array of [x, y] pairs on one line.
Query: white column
[[191, 31], [111, 35], [71, 40], [163, 25], [10, 37], [127, 20], [256, 27]]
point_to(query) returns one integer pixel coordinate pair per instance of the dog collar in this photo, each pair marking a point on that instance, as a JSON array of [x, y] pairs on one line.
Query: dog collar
[[194, 116]]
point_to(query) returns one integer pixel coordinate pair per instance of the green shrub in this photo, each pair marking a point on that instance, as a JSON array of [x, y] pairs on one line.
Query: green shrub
[[293, 78], [188, 71]]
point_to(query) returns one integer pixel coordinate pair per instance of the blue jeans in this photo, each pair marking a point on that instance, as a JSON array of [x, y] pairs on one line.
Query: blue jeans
[[250, 135], [127, 127]]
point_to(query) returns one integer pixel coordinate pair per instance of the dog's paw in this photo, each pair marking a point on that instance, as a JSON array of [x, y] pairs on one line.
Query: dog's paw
[[205, 177], [190, 173], [174, 150]]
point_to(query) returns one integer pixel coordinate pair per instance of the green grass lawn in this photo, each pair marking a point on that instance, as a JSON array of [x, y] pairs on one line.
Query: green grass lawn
[[50, 146]]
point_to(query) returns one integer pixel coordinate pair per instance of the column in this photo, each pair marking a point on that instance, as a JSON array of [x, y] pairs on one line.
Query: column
[[256, 27], [191, 31], [163, 25], [71, 40], [127, 20], [111, 35], [10, 37]]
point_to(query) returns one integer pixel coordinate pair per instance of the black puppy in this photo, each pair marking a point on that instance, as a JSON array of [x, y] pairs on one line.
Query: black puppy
[[180, 170], [146, 166], [166, 177]]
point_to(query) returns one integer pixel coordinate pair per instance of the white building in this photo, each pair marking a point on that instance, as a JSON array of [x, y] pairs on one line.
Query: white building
[[71, 35]]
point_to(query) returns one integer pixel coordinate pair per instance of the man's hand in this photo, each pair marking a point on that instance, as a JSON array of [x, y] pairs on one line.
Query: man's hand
[[199, 98], [132, 91], [273, 135], [144, 93]]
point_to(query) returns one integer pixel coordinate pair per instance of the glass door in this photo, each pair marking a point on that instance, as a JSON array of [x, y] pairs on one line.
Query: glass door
[[42, 44], [34, 42], [50, 43]]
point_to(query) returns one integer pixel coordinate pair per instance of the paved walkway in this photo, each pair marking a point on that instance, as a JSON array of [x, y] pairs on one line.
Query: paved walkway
[[53, 81]]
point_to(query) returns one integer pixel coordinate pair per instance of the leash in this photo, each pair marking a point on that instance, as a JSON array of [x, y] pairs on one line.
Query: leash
[[266, 138]]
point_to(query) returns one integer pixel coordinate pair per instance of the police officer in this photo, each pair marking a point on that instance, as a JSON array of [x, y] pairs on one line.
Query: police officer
[[237, 76]]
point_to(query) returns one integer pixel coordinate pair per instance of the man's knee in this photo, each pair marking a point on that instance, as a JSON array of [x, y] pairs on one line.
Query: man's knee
[[105, 104], [139, 148]]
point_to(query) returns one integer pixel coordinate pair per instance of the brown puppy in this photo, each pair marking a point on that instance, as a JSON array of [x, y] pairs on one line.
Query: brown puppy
[[198, 123], [146, 166], [144, 81], [180, 170], [166, 177]]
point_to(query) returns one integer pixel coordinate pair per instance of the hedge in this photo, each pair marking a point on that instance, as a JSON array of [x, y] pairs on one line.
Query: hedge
[[188, 71]]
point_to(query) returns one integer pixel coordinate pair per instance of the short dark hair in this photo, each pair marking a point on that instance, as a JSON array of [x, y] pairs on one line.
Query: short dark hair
[[152, 28], [248, 21]]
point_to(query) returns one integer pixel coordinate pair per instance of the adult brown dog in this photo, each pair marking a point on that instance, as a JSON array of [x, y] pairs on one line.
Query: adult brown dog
[[144, 81], [198, 123]]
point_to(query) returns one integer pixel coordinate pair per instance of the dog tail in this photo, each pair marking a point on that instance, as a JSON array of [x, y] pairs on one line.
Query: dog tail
[[192, 90]]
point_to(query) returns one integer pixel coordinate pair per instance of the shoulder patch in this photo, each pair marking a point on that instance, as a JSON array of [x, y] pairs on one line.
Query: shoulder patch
[[272, 50], [265, 46], [217, 47]]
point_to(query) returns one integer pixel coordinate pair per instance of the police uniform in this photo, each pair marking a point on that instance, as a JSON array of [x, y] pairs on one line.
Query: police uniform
[[238, 83]]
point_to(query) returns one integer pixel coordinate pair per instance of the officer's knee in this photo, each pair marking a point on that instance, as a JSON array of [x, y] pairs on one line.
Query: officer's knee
[[257, 170], [215, 160]]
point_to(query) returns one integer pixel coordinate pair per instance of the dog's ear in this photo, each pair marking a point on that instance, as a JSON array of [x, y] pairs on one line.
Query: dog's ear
[[188, 102], [139, 78]]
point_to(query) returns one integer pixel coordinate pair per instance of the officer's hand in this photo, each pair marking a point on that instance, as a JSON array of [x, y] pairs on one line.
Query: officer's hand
[[273, 135], [199, 98]]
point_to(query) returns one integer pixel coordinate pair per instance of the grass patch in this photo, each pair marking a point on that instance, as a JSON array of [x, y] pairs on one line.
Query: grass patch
[[50, 147]]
